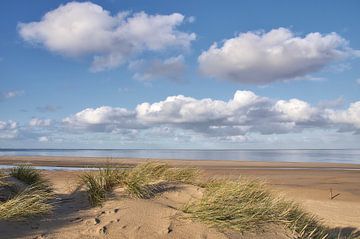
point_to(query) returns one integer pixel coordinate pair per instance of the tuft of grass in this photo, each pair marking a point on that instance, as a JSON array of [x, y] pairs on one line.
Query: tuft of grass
[[248, 205], [183, 175], [149, 172], [95, 186], [109, 177], [136, 188], [141, 181], [30, 176], [2, 182], [33, 200], [144, 180], [26, 173]]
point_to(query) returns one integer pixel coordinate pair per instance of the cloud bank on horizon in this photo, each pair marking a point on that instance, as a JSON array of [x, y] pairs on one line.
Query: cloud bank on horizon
[[233, 120]]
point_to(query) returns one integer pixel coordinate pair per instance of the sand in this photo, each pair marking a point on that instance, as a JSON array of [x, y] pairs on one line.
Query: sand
[[161, 217]]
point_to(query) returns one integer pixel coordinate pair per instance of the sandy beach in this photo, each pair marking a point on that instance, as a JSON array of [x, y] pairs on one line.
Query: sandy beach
[[159, 217]]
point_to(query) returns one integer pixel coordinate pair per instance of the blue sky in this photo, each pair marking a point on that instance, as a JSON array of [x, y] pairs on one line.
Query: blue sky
[[179, 74]]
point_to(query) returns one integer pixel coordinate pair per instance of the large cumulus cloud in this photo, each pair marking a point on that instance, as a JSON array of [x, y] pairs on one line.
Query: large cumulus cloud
[[277, 55], [86, 29]]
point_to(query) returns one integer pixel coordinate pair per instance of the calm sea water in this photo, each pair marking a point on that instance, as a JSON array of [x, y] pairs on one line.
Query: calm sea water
[[288, 155]]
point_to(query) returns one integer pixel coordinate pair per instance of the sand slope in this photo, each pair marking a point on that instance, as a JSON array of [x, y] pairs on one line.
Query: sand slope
[[120, 217]]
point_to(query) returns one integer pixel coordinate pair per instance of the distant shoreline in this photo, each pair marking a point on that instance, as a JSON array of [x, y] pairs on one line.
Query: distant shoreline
[[347, 156], [71, 161]]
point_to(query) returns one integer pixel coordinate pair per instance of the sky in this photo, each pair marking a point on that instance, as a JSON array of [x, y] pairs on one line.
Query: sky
[[179, 74]]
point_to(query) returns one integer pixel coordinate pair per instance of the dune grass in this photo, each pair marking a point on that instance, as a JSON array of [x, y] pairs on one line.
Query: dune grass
[[248, 205], [33, 200], [183, 175], [141, 181], [95, 188], [30, 176], [2, 182]]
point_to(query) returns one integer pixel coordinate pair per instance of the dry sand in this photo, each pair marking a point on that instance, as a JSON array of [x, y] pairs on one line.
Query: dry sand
[[160, 217]]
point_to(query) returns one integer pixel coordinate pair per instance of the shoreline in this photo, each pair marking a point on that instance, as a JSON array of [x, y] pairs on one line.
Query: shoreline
[[76, 161]]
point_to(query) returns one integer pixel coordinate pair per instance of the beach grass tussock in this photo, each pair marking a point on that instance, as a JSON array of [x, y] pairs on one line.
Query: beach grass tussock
[[30, 176], [183, 175], [25, 201], [141, 181], [33, 200], [248, 205], [96, 187], [144, 180]]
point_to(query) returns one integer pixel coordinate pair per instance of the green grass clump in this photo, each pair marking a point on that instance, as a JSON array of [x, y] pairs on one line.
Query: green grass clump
[[26, 174], [142, 181], [30, 176], [96, 187], [2, 182], [183, 175], [149, 172], [33, 200], [247, 205]]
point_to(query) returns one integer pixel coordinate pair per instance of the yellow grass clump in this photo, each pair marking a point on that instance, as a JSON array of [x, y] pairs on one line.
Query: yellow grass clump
[[31, 200], [248, 205], [142, 181]]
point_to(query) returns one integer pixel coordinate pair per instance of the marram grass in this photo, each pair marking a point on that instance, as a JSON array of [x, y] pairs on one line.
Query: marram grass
[[248, 205], [33, 200], [96, 187], [26, 173], [141, 181], [30, 176]]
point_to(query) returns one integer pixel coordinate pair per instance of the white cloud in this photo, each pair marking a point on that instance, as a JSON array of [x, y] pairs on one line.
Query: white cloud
[[86, 29], [43, 139], [104, 118], [11, 94], [277, 55], [350, 116], [8, 129], [172, 68], [295, 110], [243, 114], [358, 81], [242, 118], [35, 122]]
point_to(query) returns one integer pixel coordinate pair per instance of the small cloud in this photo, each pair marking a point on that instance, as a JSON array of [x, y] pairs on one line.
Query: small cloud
[[191, 19], [35, 122], [48, 108], [43, 139], [172, 68], [336, 103], [358, 81], [123, 89], [11, 94]]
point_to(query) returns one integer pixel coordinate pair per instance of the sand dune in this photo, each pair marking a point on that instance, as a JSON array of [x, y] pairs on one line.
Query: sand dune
[[161, 216]]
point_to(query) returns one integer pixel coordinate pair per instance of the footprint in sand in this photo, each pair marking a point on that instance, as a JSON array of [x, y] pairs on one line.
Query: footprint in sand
[[97, 221]]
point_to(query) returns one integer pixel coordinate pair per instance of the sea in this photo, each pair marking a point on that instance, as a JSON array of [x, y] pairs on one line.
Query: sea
[[268, 155]]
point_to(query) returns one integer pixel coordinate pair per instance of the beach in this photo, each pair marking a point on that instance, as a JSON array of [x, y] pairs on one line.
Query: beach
[[309, 184]]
